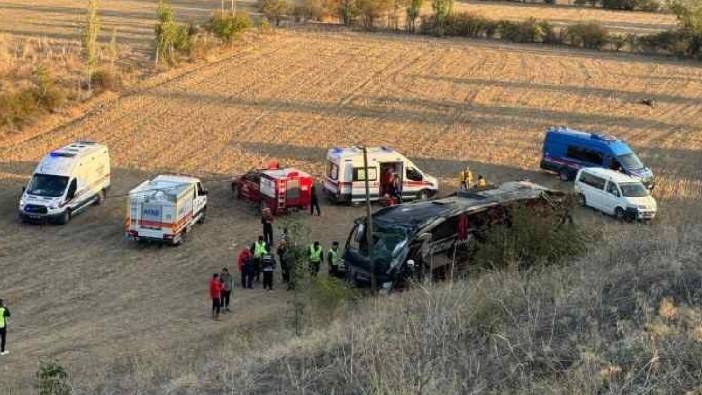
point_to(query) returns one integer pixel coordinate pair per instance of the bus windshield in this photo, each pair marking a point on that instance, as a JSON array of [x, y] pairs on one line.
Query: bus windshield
[[388, 241], [47, 185]]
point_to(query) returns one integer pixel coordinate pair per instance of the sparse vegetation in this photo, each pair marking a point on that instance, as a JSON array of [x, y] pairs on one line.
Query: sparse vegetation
[[17, 108], [90, 35], [274, 10], [171, 38], [228, 26], [52, 379]]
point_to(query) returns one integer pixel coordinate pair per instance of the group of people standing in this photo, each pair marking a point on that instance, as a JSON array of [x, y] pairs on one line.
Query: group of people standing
[[465, 179]]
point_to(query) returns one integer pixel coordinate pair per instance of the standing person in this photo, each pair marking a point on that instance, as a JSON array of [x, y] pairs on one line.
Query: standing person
[[397, 187], [4, 315], [215, 294], [268, 262], [333, 259], [227, 284], [267, 222], [465, 178], [241, 261], [315, 258], [282, 252], [259, 248], [314, 201]]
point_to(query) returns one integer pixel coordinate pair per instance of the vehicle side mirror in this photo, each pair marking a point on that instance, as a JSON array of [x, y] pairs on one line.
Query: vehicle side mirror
[[204, 192]]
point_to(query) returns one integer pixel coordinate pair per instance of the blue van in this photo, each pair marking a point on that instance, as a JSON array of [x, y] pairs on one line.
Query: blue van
[[566, 151]]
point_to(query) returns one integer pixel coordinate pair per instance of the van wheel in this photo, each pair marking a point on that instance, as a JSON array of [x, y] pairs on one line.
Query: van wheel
[[203, 216], [101, 196], [582, 200], [564, 174], [619, 213], [65, 217], [423, 195]]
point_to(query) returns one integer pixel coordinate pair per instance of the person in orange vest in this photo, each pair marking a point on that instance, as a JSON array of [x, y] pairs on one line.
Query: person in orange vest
[[482, 183]]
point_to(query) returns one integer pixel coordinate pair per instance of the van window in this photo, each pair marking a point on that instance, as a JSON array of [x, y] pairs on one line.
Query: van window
[[359, 174], [584, 154], [633, 189], [72, 189], [612, 189], [333, 171], [592, 180], [413, 174]]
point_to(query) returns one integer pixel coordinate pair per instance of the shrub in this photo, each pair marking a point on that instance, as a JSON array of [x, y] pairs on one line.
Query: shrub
[[412, 12], [228, 26], [466, 24], [631, 5], [550, 35], [52, 379], [442, 9], [530, 240], [105, 80], [171, 37], [529, 31], [370, 10], [589, 35], [274, 10], [677, 42], [617, 41]]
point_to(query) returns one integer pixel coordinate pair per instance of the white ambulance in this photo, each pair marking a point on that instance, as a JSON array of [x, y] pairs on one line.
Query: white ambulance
[[344, 180], [66, 182], [165, 209]]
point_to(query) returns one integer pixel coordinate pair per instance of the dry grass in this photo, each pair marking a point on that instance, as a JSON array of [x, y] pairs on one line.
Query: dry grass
[[615, 21], [588, 327]]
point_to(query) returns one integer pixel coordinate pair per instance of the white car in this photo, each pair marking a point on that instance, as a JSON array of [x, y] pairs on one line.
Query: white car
[[615, 193]]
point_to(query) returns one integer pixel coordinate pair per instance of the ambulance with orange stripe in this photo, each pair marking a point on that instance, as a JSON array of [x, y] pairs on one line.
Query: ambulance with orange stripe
[[165, 209], [66, 182], [344, 180]]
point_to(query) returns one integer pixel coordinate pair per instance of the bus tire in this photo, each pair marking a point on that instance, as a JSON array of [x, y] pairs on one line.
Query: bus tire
[[564, 174]]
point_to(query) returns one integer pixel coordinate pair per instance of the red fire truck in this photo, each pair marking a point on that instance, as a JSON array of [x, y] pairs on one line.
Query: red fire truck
[[277, 189]]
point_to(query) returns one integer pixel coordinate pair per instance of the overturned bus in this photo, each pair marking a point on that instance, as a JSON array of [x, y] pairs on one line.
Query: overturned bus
[[426, 238]]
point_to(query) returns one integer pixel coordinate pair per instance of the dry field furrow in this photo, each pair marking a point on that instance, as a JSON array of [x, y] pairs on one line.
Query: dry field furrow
[[87, 297], [616, 21]]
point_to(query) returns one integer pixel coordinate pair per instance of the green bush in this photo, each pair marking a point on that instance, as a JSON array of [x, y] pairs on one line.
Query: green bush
[[589, 35], [529, 31], [274, 10], [465, 24], [530, 240], [228, 26], [673, 42]]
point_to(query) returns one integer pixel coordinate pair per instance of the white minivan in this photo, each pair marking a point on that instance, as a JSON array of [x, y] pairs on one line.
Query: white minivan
[[614, 193], [65, 182]]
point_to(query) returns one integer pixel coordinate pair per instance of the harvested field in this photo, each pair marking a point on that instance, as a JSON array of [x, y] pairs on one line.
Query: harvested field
[[133, 19], [615, 21], [82, 294]]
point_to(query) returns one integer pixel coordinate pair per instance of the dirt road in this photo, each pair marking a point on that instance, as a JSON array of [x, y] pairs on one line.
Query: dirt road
[[83, 294]]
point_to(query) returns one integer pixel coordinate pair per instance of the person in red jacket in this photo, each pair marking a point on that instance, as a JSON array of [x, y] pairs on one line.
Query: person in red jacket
[[215, 293], [244, 263]]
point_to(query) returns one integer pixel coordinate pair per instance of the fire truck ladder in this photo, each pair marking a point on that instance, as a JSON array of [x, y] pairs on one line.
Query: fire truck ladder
[[282, 194]]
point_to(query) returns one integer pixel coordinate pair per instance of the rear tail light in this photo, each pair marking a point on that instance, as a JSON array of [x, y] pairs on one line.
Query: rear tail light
[[167, 237]]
